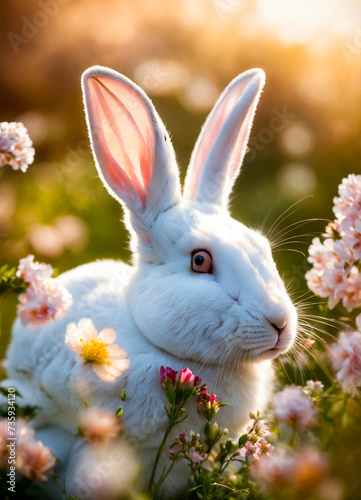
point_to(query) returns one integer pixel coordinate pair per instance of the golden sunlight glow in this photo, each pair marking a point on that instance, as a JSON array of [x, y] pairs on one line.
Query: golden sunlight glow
[[300, 21]]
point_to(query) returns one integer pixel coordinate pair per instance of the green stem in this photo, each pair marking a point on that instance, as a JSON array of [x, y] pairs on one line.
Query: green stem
[[162, 479], [172, 422], [159, 452]]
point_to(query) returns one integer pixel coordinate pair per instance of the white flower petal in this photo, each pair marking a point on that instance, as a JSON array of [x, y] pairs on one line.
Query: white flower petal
[[87, 329], [116, 352], [107, 336], [103, 372]]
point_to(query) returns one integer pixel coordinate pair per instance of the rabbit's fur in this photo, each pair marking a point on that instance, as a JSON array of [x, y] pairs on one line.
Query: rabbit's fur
[[222, 325]]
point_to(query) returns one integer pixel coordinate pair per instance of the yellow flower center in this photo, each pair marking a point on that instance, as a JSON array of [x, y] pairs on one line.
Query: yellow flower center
[[95, 351]]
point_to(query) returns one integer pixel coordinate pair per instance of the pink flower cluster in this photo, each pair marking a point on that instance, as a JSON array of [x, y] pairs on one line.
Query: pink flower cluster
[[335, 273], [191, 449], [186, 378], [256, 445], [346, 358], [208, 403], [15, 146], [32, 459], [44, 298], [294, 408]]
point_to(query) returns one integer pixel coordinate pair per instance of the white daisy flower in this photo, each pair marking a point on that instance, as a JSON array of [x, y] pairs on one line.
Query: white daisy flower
[[107, 358]]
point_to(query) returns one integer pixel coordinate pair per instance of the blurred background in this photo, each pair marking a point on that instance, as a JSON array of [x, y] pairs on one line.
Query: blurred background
[[183, 53]]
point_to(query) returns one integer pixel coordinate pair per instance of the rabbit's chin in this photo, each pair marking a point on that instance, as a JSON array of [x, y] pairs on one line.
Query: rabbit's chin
[[270, 354]]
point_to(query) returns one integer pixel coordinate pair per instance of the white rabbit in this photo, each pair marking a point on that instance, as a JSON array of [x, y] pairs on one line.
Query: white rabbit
[[203, 291]]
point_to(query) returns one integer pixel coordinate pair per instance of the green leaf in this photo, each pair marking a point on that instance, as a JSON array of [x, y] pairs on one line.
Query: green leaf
[[243, 440], [171, 396], [123, 395]]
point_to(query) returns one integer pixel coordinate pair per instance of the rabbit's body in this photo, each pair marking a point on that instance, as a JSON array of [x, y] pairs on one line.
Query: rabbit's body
[[203, 291]]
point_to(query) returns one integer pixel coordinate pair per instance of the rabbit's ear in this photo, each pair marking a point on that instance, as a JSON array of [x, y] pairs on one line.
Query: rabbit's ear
[[221, 146], [133, 152]]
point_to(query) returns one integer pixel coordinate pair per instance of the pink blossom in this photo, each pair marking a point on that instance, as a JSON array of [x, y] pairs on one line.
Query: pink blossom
[[167, 376], [45, 298], [196, 457], [15, 146], [187, 378], [347, 207], [346, 359], [33, 272], [207, 397], [98, 425], [313, 388], [334, 273], [352, 295], [191, 449], [24, 433], [34, 460], [256, 444], [293, 407]]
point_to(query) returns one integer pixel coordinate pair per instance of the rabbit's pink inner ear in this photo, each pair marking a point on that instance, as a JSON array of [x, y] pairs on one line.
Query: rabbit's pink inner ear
[[122, 135], [211, 130]]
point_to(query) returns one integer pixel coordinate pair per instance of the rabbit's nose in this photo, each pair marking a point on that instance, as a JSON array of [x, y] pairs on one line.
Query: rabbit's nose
[[277, 326]]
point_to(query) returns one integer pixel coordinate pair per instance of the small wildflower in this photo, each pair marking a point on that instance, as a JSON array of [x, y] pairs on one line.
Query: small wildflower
[[168, 376], [208, 404], [256, 445], [181, 388], [45, 298], [33, 272], [15, 146], [188, 379], [98, 425], [34, 460], [108, 360], [346, 359], [190, 449], [293, 407], [313, 388]]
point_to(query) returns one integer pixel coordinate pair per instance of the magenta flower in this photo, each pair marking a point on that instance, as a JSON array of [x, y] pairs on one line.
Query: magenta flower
[[168, 376], [187, 378], [208, 403], [207, 397]]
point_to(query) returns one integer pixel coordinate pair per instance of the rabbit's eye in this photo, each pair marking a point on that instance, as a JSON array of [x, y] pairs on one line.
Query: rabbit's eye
[[201, 261]]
